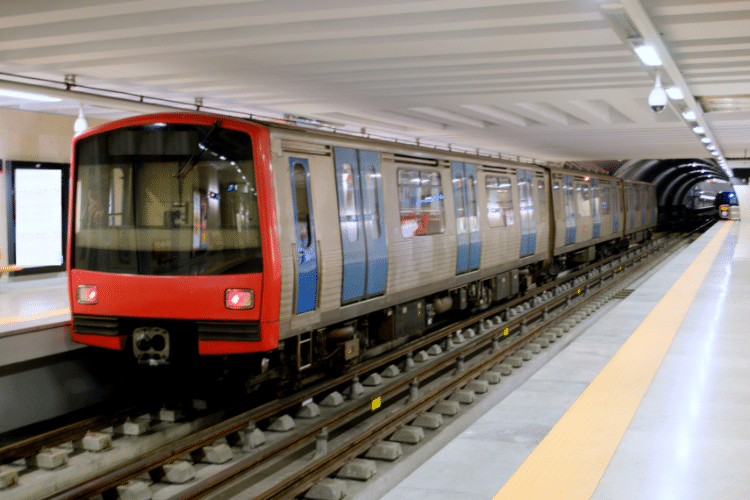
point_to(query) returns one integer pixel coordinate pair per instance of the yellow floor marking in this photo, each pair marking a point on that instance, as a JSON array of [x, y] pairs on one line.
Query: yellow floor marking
[[571, 460], [33, 316]]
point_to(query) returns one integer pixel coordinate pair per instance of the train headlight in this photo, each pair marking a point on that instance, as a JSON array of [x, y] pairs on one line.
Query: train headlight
[[87, 294], [239, 299]]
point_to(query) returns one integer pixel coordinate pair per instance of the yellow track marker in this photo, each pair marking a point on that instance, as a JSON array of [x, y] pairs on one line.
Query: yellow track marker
[[33, 316], [571, 460]]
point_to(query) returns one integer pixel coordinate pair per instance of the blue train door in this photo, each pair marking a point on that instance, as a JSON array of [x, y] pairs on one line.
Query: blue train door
[[615, 207], [307, 259], [467, 221], [363, 238], [597, 217], [526, 201], [570, 214]]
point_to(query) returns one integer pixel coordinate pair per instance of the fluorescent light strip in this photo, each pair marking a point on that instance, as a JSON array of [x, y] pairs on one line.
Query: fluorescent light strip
[[14, 94]]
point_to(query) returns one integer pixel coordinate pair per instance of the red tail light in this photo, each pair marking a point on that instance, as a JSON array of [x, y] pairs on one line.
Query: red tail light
[[87, 294], [238, 299]]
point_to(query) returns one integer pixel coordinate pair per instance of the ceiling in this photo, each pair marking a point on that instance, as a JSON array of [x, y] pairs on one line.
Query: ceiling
[[553, 80]]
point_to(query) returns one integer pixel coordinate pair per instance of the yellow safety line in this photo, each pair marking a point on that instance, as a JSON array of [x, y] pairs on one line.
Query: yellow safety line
[[33, 316], [571, 460]]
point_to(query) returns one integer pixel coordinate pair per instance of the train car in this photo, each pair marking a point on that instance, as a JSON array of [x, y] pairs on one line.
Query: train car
[[727, 204], [198, 236]]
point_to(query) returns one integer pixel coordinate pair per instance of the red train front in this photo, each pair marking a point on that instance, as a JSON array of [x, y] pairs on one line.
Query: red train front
[[172, 239]]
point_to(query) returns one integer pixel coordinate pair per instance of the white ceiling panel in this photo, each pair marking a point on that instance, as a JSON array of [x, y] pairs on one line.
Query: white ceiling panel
[[551, 80]]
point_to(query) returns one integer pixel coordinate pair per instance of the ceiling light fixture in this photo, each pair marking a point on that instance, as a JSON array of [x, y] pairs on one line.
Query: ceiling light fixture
[[647, 55], [81, 124], [706, 140], [699, 130], [675, 93], [690, 115]]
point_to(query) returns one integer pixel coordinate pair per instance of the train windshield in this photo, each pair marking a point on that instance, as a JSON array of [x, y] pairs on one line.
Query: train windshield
[[166, 200], [726, 198]]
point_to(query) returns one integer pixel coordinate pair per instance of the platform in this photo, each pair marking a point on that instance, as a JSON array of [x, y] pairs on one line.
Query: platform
[[34, 311], [640, 405], [43, 374]]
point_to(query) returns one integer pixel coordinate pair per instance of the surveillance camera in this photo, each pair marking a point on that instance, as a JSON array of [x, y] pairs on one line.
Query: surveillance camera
[[657, 99]]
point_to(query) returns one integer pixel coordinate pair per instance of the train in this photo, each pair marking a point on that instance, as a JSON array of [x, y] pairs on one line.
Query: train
[[727, 205], [194, 236]]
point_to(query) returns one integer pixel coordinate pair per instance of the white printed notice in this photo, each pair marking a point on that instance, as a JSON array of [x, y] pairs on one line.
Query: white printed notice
[[38, 217]]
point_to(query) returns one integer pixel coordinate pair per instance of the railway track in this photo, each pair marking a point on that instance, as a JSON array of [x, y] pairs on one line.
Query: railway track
[[371, 415]]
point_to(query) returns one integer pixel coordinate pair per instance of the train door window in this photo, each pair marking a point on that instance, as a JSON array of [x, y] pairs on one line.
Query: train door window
[[542, 200], [605, 200], [556, 201], [637, 197], [472, 199], [301, 202], [631, 204], [595, 200], [458, 190], [583, 200], [616, 198], [421, 200], [370, 202], [499, 201], [349, 222]]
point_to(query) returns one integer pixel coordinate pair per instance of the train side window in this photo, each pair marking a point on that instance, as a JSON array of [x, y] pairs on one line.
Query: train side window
[[556, 201], [370, 202], [421, 200], [605, 200], [499, 201], [542, 200], [303, 209], [583, 200]]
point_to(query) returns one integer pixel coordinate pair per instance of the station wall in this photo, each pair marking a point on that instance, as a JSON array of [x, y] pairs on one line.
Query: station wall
[[29, 136]]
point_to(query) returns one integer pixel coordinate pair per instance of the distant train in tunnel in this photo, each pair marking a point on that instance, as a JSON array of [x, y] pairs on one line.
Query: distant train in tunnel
[[194, 235], [727, 205]]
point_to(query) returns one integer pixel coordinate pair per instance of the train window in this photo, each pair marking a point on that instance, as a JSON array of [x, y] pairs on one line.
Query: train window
[[642, 190], [542, 200], [371, 208], [421, 202], [605, 200], [174, 200], [556, 201], [349, 223], [595, 199], [499, 201], [458, 191], [583, 200], [471, 186], [637, 197], [303, 209], [116, 193]]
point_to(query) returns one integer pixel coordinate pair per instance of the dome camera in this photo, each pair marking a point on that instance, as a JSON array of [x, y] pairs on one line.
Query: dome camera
[[657, 99]]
